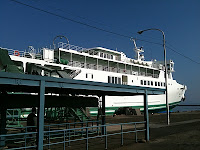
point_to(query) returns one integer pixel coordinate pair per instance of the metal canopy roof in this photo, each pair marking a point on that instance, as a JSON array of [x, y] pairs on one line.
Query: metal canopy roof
[[13, 82]]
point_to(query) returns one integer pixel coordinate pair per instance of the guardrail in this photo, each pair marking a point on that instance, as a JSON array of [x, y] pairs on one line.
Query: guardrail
[[25, 54], [70, 46], [85, 133], [64, 136]]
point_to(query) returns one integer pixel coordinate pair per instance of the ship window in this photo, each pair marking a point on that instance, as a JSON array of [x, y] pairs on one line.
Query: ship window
[[152, 83], [161, 84], [113, 79], [111, 56], [104, 55], [89, 75], [132, 81], [101, 54], [119, 80], [148, 82], [145, 82], [156, 83], [141, 81], [96, 53], [109, 79]]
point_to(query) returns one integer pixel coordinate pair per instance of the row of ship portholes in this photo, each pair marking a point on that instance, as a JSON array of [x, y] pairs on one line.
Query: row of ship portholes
[[151, 83]]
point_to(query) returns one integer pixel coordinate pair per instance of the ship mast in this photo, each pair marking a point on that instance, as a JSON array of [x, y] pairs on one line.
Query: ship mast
[[138, 56]]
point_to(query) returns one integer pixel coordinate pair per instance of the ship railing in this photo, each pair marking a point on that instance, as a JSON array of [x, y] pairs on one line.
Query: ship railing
[[70, 63], [15, 52], [70, 46], [149, 75], [135, 73], [82, 65], [100, 67], [128, 71], [142, 73], [105, 68], [33, 55], [121, 70], [91, 66], [155, 75], [110, 69], [77, 64], [74, 64], [113, 69], [63, 45], [24, 54]]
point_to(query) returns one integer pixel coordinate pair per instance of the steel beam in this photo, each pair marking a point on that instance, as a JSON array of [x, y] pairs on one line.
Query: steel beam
[[9, 81], [20, 101]]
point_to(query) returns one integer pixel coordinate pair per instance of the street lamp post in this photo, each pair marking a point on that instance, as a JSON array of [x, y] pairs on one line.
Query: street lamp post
[[165, 62]]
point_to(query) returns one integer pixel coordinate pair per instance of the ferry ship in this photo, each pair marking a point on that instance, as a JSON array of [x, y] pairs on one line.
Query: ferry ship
[[104, 65]]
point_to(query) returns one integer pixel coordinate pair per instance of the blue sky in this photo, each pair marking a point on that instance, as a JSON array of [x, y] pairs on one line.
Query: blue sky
[[23, 26]]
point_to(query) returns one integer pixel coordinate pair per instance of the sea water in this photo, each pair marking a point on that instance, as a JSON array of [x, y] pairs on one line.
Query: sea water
[[187, 108]]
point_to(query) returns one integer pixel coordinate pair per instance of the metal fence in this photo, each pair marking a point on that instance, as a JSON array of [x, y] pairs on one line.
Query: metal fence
[[64, 134]]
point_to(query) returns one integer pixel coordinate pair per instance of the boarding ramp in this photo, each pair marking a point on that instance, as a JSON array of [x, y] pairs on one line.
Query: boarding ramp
[[66, 114], [79, 114], [6, 64], [66, 73]]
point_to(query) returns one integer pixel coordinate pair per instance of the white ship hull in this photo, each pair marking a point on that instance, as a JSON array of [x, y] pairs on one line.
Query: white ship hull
[[156, 103]]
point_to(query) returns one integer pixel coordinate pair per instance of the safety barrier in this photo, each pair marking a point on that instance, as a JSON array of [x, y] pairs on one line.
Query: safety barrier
[[65, 136]]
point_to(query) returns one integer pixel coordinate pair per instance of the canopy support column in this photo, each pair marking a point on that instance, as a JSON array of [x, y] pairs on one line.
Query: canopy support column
[[103, 113], [146, 115], [41, 116], [2, 126]]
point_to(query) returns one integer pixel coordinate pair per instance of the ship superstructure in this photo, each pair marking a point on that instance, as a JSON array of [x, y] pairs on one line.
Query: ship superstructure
[[103, 65]]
